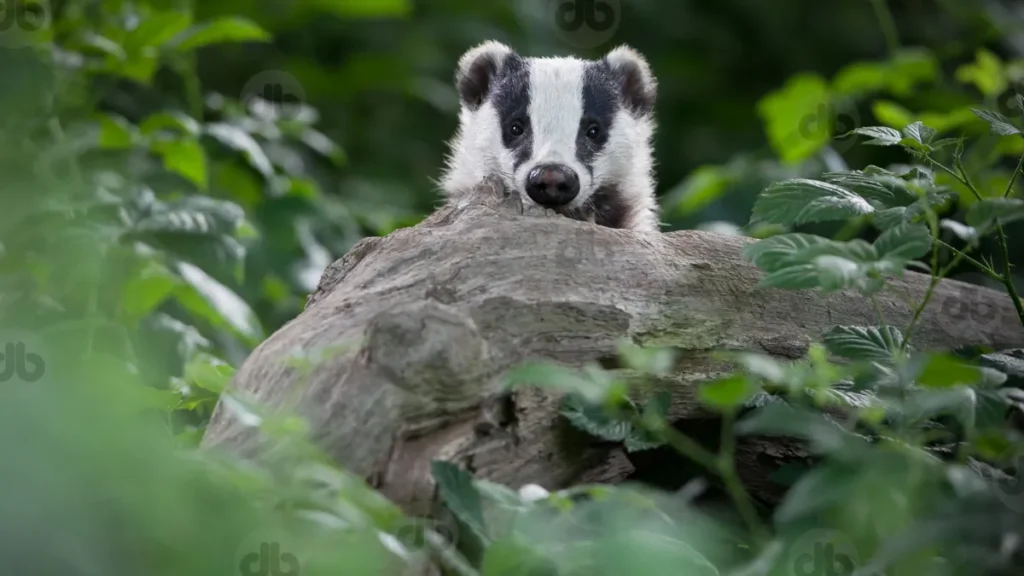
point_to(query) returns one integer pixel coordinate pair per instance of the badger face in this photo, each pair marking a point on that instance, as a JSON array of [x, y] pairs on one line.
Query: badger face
[[568, 134]]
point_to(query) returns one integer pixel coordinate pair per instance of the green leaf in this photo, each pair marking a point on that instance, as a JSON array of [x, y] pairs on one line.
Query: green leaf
[[798, 117], [864, 343], [919, 133], [800, 201], [984, 213], [209, 373], [196, 215], [837, 273], [1000, 124], [174, 120], [962, 231], [701, 187], [904, 243], [147, 290], [116, 133], [800, 277], [986, 72], [183, 156], [593, 420], [779, 419], [216, 303], [510, 557], [658, 361], [777, 252], [460, 495], [238, 139], [944, 371], [227, 29], [156, 29], [593, 385], [881, 188], [727, 393], [880, 135], [363, 8]]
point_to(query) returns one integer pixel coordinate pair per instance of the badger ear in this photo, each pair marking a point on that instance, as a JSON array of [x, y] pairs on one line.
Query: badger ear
[[637, 84], [477, 70]]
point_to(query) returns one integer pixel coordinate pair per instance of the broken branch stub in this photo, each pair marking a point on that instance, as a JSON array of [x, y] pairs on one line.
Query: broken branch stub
[[437, 313]]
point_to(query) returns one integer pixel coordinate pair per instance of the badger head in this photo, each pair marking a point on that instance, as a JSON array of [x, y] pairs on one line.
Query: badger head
[[568, 134]]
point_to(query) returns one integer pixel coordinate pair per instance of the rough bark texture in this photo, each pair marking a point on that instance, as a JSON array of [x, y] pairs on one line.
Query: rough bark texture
[[435, 315]]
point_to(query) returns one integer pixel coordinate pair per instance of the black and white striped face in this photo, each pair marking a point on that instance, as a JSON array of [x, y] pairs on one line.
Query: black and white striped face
[[569, 134]]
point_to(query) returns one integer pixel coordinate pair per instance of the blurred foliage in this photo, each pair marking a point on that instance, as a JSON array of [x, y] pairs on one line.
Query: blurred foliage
[[175, 176]]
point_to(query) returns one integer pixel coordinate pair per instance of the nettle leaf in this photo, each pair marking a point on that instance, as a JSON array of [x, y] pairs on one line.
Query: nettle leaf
[[207, 298], [962, 231], [240, 140], [800, 201], [864, 342], [185, 157], [728, 393], [984, 213], [920, 133], [593, 420], [837, 273], [593, 385], [460, 495], [221, 30], [776, 252], [197, 215], [999, 124], [903, 243], [174, 121], [880, 135], [945, 371], [882, 188]]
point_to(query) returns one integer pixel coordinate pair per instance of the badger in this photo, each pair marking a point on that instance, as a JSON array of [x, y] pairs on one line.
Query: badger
[[568, 134]]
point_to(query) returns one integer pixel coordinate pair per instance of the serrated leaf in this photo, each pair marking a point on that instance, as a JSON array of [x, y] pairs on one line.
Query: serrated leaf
[[593, 387], [776, 252], [944, 371], [216, 303], [864, 342], [880, 135], [593, 420], [800, 201], [919, 133], [836, 273], [727, 393], [460, 495], [238, 139], [800, 277], [962, 231], [984, 213], [881, 187], [904, 243], [185, 157], [999, 124], [221, 30]]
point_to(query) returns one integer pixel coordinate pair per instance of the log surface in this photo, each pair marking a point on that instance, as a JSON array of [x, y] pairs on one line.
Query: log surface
[[424, 323]]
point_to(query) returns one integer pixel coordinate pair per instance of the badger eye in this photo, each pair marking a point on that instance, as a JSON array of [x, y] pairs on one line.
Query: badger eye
[[593, 131], [516, 128]]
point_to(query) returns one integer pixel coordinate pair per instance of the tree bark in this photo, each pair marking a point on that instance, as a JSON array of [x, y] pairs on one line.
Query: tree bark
[[433, 316]]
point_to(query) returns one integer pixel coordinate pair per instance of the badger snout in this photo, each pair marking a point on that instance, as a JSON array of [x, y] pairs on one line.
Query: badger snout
[[552, 185]]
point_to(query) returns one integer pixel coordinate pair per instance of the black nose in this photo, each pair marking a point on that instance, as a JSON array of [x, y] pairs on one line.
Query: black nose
[[552, 185]]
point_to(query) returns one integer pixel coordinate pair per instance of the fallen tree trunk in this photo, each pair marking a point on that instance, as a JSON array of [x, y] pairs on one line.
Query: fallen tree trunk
[[436, 314]]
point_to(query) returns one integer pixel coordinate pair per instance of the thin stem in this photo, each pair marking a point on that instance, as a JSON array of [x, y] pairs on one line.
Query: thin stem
[[727, 470], [1009, 186], [927, 298], [983, 268], [888, 24], [1008, 277]]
